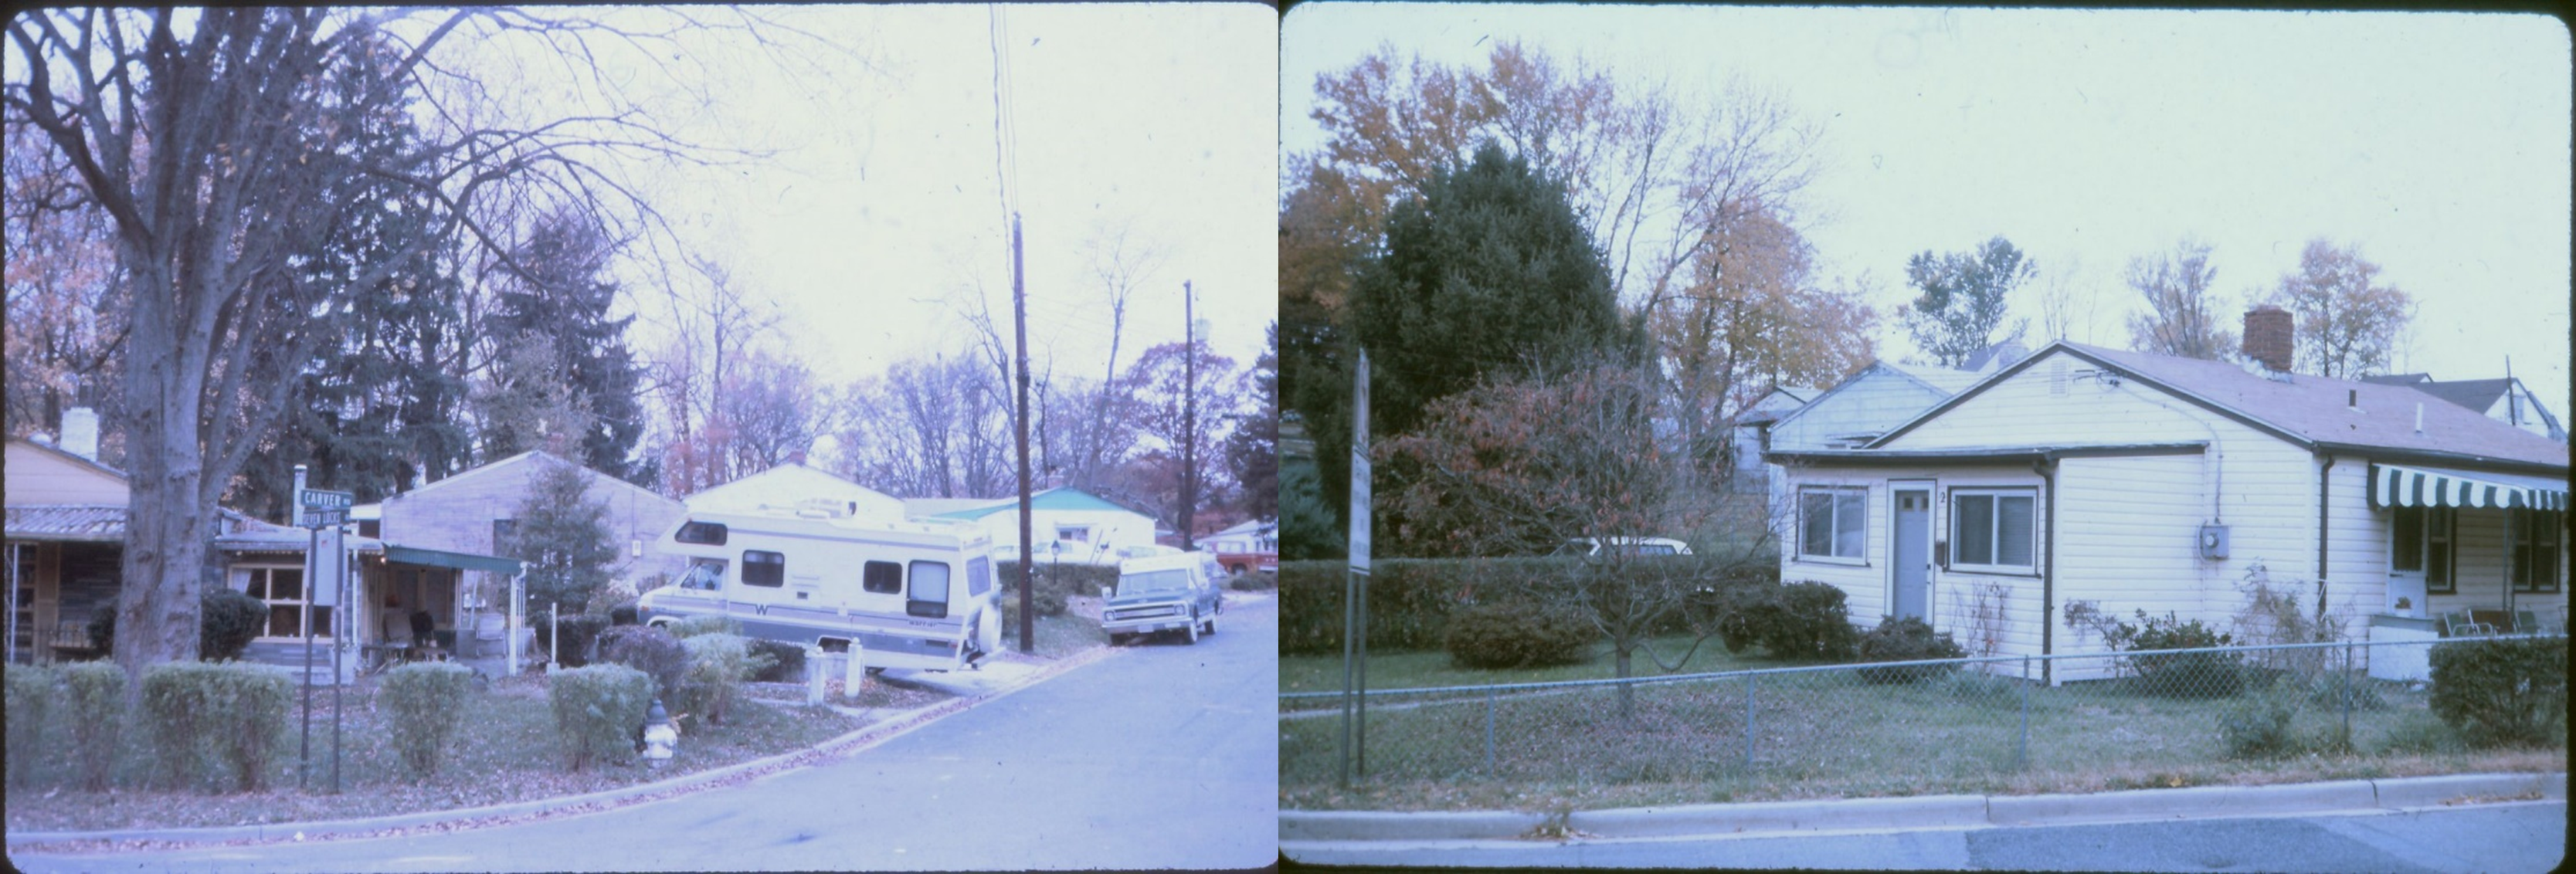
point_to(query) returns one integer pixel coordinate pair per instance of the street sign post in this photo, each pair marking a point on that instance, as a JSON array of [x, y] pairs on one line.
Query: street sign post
[[1355, 589]]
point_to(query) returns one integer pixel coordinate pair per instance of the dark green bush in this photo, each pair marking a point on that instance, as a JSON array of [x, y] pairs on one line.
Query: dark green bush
[[622, 613], [1801, 620], [786, 661], [94, 699], [1905, 639], [426, 703], [597, 711], [102, 630], [2502, 691], [1518, 634], [692, 626], [1253, 581], [1051, 584], [224, 721], [31, 697], [227, 621], [655, 651], [580, 632], [2179, 675]]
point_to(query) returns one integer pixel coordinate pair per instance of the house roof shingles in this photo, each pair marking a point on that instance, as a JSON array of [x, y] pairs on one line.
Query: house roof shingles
[[95, 524], [2314, 410]]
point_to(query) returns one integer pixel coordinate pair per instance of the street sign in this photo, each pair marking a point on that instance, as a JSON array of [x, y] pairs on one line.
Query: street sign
[[319, 499], [1360, 468]]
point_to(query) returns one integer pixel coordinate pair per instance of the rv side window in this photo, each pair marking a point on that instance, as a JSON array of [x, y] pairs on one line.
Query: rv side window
[[883, 577], [763, 568], [704, 573], [930, 583], [979, 576], [707, 533]]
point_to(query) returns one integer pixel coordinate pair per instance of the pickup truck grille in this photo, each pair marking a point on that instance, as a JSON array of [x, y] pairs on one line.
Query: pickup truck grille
[[1152, 612]]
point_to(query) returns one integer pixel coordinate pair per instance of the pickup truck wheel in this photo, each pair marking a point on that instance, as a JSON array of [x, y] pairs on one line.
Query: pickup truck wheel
[[1194, 628], [1211, 624], [1117, 639]]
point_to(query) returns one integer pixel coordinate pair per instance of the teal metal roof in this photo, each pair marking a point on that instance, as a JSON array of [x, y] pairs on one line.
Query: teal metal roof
[[458, 560]]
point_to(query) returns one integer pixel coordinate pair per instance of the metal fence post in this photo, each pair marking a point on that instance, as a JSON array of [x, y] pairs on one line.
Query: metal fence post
[[2347, 694], [1749, 681], [2021, 758], [1490, 696]]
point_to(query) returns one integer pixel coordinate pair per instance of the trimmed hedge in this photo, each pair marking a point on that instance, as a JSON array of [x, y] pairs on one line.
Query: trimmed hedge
[[786, 661], [655, 651], [708, 623], [1906, 639], [1801, 620], [31, 696], [220, 720], [94, 695], [426, 701], [1411, 599], [227, 622], [718, 663], [1518, 634], [2503, 691], [597, 711]]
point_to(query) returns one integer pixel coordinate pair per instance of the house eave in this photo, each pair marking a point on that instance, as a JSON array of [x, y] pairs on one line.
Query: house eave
[[1980, 454], [2453, 459]]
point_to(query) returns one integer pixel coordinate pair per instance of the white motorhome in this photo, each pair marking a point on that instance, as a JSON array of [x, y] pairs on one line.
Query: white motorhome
[[911, 594]]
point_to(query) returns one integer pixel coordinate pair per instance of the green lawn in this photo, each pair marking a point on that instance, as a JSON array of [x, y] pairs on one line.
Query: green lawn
[[1058, 636]]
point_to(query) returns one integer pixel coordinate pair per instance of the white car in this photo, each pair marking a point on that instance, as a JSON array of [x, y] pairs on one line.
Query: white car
[[1625, 546]]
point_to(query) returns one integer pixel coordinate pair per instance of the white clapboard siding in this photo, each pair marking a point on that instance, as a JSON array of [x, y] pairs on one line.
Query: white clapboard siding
[[1871, 403], [2026, 409], [2356, 545], [1863, 591]]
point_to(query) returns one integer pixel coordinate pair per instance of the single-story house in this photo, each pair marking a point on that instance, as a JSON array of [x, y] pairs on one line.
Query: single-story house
[[390, 583], [795, 485], [472, 513], [66, 542], [2505, 400], [2128, 481], [1065, 523]]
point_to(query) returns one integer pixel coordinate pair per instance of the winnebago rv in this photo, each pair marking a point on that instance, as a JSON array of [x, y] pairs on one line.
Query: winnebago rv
[[912, 594]]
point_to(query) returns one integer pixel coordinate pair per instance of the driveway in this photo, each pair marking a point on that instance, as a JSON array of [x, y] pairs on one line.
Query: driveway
[[1162, 756]]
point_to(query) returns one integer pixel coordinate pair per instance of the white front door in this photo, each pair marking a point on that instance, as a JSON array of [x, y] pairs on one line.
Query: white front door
[[1913, 556]]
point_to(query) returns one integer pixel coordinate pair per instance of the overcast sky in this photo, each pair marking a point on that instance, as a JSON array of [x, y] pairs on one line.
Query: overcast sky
[[882, 203], [2436, 143]]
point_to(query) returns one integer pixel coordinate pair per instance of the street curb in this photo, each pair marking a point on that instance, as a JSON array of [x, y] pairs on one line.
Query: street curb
[[1932, 811], [856, 739]]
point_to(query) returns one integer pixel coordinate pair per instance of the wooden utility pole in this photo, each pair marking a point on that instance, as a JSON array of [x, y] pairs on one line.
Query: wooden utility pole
[[1020, 428], [1189, 416]]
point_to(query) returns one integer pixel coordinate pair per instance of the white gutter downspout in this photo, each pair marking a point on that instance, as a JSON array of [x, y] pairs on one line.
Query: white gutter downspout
[[517, 593]]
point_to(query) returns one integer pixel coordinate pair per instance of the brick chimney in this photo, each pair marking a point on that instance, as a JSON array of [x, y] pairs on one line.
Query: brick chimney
[[2267, 336]]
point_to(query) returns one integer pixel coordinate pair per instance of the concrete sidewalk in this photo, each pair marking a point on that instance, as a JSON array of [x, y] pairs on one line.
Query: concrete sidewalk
[[884, 725], [1300, 829]]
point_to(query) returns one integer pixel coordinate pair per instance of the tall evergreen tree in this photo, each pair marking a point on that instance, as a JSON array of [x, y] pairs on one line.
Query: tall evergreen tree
[[1488, 270], [561, 291], [381, 401], [562, 533], [1252, 451]]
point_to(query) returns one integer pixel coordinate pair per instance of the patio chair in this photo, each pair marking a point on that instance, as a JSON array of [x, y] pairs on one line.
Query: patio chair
[[2526, 622], [2496, 621], [2457, 624]]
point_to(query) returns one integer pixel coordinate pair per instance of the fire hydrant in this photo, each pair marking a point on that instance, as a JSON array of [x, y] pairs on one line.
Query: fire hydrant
[[659, 736]]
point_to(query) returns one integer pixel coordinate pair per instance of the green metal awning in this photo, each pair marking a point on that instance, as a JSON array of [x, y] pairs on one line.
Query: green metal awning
[[465, 561]]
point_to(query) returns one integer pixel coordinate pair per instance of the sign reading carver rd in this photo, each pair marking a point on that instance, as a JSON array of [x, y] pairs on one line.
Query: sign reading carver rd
[[317, 499]]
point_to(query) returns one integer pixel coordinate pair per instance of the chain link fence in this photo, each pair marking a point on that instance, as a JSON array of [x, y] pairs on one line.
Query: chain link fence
[[1922, 723]]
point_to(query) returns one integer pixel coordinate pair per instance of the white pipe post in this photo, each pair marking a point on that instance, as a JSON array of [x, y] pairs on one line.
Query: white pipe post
[[517, 593]]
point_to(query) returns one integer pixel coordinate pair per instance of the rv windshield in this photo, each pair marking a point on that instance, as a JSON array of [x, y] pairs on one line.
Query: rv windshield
[[704, 574], [1154, 581]]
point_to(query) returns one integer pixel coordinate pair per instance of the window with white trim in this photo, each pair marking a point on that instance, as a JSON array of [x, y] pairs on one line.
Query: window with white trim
[[1833, 522], [2536, 542], [1994, 530]]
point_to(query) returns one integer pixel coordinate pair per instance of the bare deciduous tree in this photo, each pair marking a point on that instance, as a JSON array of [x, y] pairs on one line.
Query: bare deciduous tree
[[2348, 322], [2179, 318]]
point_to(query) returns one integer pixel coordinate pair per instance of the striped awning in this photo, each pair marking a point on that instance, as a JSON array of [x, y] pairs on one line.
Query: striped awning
[[2399, 486]]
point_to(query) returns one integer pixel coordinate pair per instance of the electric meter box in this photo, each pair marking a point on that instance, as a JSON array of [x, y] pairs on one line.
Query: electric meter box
[[2213, 541]]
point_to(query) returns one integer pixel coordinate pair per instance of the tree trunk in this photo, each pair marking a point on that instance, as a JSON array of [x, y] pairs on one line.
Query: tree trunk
[[1627, 693], [166, 520]]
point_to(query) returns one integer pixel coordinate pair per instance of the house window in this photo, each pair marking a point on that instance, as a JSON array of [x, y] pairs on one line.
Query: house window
[[283, 589], [882, 577], [2536, 539], [762, 568], [1992, 530], [2420, 542], [1075, 533], [1833, 523]]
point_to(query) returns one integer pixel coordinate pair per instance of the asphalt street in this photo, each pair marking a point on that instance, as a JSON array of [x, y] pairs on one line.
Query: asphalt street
[[2513, 837], [1162, 756]]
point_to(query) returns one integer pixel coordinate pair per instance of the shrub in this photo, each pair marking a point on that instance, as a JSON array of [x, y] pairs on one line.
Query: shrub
[[1801, 620], [623, 613], [2258, 726], [31, 696], [228, 620], [786, 661], [1253, 581], [2179, 675], [1903, 639], [580, 632], [2505, 691], [95, 700], [222, 720], [692, 626], [718, 663], [102, 630], [425, 702], [652, 650], [1518, 634], [597, 710]]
